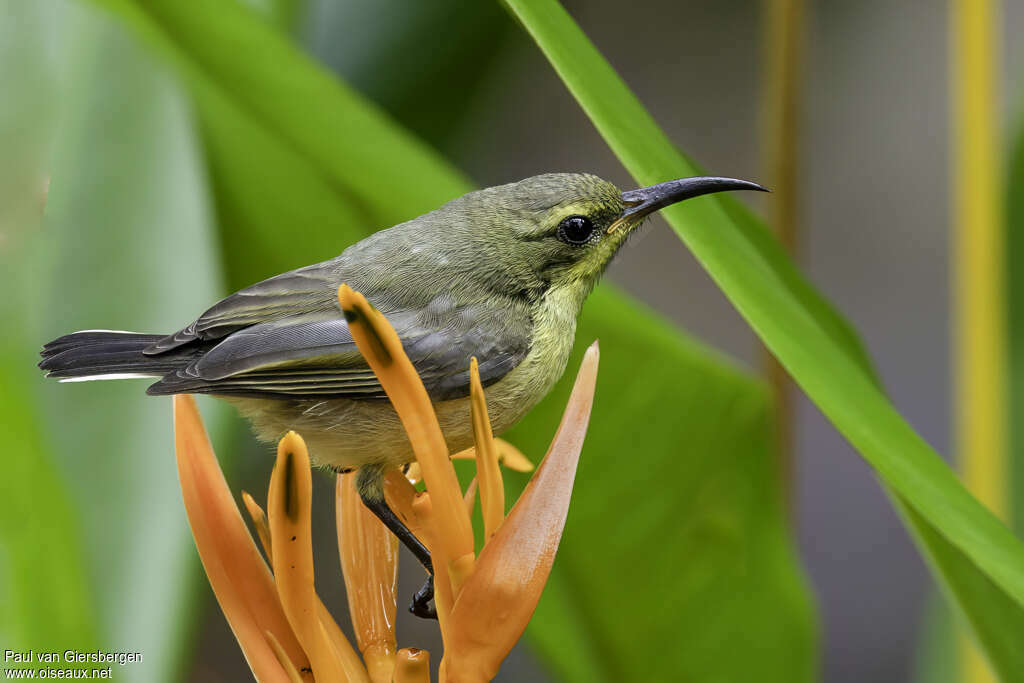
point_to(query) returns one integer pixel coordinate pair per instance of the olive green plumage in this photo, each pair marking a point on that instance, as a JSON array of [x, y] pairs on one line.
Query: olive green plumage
[[500, 274]]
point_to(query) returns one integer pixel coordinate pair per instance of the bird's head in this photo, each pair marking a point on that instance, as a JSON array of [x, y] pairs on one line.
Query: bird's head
[[561, 230]]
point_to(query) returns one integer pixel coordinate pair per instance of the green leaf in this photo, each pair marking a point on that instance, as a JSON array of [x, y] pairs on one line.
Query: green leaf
[[810, 340], [268, 111], [287, 15], [45, 604], [675, 564], [426, 99], [277, 126], [128, 244]]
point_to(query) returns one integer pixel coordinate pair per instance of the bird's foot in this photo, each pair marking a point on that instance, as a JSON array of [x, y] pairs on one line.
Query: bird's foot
[[421, 606]]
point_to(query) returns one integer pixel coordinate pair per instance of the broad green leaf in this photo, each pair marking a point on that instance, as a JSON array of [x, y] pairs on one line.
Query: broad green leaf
[[375, 59], [345, 138], [238, 72], [45, 603], [810, 340], [288, 15], [127, 244], [675, 563], [277, 126]]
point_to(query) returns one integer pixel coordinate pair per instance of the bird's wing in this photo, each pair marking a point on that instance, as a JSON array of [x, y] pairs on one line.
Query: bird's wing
[[306, 290], [312, 355]]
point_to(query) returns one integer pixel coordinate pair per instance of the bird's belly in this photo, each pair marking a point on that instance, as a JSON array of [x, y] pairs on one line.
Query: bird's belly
[[343, 433]]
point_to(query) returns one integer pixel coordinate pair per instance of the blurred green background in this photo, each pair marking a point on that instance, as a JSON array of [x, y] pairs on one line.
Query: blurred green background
[[180, 155]]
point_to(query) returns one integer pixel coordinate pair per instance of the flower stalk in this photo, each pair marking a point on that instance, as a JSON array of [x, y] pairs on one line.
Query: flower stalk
[[369, 564]]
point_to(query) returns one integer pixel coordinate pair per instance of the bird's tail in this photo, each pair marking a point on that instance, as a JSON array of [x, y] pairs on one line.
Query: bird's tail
[[105, 354]]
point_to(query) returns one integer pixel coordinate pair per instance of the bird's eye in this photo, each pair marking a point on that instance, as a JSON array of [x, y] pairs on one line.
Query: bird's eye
[[575, 230]]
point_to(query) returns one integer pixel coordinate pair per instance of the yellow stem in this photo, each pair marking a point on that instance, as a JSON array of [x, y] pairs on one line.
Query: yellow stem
[[979, 279], [784, 31]]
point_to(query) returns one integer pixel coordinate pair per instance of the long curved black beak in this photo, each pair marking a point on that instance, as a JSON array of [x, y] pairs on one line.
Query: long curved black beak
[[646, 200]]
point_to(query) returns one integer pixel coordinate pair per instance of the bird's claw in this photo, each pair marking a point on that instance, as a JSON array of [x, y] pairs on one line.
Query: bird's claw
[[421, 606]]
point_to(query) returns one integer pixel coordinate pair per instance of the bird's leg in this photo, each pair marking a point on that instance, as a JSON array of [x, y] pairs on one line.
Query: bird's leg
[[371, 491], [420, 602], [392, 522]]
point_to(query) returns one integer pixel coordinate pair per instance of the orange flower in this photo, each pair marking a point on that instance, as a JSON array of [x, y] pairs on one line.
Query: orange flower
[[284, 630], [369, 563]]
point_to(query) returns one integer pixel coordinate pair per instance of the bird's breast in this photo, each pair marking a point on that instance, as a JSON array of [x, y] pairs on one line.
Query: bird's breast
[[554, 329]]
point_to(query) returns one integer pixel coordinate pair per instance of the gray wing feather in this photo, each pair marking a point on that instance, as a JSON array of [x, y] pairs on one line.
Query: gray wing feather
[[306, 290], [324, 342], [314, 355], [285, 337]]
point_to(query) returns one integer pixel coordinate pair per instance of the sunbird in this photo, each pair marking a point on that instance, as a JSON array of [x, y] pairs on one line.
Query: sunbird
[[500, 274]]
